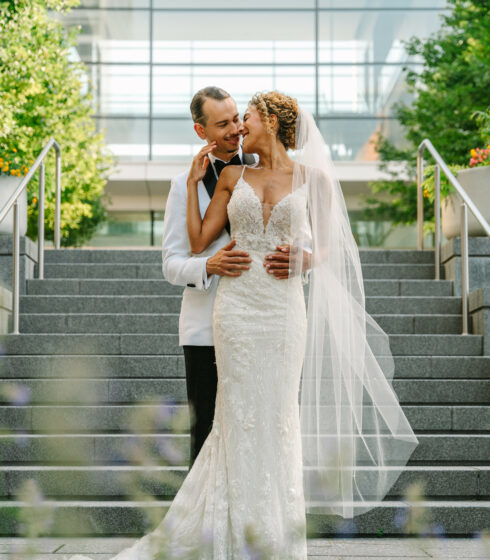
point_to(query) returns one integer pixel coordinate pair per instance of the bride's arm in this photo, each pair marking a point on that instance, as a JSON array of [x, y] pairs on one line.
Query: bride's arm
[[202, 232]]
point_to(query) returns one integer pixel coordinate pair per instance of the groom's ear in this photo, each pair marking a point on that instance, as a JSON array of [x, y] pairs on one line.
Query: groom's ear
[[200, 131]]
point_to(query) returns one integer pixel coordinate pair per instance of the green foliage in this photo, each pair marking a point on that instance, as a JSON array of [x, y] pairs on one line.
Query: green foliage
[[42, 95], [429, 178], [483, 120], [451, 99]]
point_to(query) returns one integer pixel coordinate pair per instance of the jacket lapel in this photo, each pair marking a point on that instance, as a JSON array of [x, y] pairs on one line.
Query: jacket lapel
[[209, 180]]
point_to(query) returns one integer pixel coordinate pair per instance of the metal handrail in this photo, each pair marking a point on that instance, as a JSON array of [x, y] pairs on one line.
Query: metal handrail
[[13, 201], [467, 203]]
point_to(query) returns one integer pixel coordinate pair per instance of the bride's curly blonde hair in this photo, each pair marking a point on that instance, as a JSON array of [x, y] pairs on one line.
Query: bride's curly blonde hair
[[286, 110]]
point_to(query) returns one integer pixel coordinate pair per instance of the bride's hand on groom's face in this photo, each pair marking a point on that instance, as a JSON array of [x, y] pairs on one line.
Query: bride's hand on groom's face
[[200, 163]]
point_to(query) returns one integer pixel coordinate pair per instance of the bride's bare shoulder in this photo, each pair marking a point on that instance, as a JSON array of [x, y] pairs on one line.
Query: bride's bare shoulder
[[229, 177]]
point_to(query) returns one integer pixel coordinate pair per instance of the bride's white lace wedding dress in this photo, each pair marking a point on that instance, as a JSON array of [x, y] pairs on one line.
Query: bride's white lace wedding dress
[[247, 478]]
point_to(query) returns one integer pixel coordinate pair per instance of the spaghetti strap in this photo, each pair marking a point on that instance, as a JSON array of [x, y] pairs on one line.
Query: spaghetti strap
[[243, 170]]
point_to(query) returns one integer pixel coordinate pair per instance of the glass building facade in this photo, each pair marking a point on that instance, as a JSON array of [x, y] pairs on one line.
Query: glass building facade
[[342, 59]]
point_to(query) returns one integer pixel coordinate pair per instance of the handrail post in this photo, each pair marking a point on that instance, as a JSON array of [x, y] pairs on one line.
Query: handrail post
[[437, 221], [12, 204], [40, 223], [464, 267], [58, 201], [15, 270], [420, 202]]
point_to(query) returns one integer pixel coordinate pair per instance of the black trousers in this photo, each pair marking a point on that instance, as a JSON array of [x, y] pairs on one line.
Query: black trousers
[[202, 380]]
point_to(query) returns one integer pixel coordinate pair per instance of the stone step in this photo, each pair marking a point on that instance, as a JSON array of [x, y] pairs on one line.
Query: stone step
[[82, 419], [154, 271], [114, 390], [77, 518], [101, 304], [90, 286], [168, 323], [87, 286], [419, 324], [84, 344], [401, 344], [171, 304], [92, 482], [161, 449], [94, 366], [134, 366], [413, 305], [154, 256]]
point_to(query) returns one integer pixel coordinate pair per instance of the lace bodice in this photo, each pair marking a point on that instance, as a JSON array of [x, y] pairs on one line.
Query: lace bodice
[[262, 227]]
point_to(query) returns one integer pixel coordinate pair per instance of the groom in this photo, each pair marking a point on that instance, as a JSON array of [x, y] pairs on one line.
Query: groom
[[216, 118]]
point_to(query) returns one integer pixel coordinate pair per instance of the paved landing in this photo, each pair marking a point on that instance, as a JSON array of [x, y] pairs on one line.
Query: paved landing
[[318, 549]]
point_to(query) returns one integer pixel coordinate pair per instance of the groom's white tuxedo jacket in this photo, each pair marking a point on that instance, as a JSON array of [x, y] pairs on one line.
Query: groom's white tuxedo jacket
[[182, 268]]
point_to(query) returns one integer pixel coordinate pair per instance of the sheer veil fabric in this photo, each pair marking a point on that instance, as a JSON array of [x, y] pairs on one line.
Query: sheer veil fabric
[[355, 436]]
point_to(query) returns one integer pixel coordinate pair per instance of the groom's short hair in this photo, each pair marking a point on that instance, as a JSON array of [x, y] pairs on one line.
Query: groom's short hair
[[200, 97]]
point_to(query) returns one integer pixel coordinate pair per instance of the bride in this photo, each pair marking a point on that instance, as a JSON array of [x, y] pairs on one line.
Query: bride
[[306, 419]]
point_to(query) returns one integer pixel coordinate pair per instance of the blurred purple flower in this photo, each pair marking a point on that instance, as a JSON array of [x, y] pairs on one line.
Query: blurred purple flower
[[21, 439], [347, 527], [169, 451], [401, 517], [438, 531], [21, 395]]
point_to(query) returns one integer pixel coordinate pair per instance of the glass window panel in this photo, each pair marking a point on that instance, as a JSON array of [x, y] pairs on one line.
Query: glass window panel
[[351, 139], [111, 35], [174, 139], [382, 4], [114, 3], [120, 89], [361, 89], [226, 4], [127, 138], [173, 87], [371, 36], [233, 37], [129, 229]]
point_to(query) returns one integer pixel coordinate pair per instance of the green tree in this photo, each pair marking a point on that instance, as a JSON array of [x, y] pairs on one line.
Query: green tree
[[449, 92], [42, 95]]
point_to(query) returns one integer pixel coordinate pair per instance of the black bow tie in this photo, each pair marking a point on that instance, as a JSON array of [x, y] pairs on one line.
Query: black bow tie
[[220, 165]]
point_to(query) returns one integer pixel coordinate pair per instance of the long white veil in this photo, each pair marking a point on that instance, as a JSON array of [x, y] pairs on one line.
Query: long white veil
[[355, 436]]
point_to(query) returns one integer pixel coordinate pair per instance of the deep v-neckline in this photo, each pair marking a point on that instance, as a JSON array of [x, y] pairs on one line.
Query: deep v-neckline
[[264, 226]]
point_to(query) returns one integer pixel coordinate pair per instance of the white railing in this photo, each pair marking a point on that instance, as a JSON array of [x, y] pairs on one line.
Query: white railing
[[13, 201], [466, 203]]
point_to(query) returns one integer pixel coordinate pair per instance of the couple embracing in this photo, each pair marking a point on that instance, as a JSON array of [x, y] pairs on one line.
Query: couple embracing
[[291, 400]]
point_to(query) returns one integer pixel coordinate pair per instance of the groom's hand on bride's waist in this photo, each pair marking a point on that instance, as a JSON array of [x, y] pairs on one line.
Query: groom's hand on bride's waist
[[282, 263], [228, 262]]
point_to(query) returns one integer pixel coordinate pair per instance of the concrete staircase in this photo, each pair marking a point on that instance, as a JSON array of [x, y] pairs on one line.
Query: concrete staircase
[[95, 383]]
